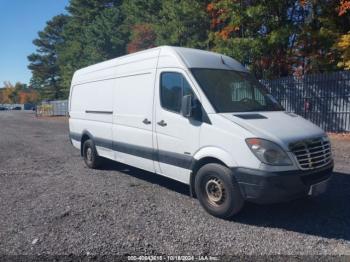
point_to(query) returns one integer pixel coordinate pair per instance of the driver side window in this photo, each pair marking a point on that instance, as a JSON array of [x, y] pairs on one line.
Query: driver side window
[[173, 86]]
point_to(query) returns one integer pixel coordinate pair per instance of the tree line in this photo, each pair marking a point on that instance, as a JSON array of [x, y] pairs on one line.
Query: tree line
[[18, 94], [273, 38]]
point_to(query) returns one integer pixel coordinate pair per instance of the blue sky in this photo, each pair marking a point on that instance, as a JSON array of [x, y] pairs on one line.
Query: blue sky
[[20, 21]]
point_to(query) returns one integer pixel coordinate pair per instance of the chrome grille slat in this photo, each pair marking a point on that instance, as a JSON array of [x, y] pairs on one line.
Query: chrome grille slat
[[312, 153], [318, 161], [320, 165], [322, 157], [303, 150]]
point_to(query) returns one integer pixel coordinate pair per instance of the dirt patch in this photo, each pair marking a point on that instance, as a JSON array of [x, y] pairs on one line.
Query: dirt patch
[[340, 136], [54, 118]]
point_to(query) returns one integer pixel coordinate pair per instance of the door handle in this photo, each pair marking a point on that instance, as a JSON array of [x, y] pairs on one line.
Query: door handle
[[162, 123], [146, 121]]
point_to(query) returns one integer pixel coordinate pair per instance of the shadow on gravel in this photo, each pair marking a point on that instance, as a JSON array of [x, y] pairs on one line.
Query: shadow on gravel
[[147, 176], [327, 215]]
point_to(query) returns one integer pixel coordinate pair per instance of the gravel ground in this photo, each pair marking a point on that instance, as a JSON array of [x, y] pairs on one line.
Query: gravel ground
[[52, 204]]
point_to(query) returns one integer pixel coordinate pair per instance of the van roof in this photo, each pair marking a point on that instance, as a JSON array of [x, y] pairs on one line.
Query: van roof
[[195, 58], [171, 56]]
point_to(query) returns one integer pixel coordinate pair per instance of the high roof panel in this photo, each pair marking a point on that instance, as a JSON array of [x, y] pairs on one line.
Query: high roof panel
[[169, 56], [195, 58]]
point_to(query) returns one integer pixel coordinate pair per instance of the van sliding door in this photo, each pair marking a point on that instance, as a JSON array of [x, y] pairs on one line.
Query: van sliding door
[[132, 119]]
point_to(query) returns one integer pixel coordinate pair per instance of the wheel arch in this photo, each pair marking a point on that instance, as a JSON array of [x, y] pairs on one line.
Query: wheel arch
[[206, 156], [85, 136]]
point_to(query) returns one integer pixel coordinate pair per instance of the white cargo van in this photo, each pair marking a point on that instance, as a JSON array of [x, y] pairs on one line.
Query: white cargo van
[[200, 118]]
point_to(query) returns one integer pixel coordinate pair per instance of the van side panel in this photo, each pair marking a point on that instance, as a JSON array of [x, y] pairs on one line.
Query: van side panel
[[132, 120], [91, 111]]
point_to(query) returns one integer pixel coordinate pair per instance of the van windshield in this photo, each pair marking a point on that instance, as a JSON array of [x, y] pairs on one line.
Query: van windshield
[[232, 91]]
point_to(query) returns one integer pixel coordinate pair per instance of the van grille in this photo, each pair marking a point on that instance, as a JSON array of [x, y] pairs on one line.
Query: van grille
[[312, 153]]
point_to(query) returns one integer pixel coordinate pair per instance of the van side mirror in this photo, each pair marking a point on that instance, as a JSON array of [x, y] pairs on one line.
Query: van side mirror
[[186, 106]]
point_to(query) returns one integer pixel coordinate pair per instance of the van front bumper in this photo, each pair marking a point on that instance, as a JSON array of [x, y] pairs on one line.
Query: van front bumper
[[270, 187]]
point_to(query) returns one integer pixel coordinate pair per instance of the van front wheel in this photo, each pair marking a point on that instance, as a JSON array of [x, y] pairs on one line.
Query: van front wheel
[[91, 158], [218, 191]]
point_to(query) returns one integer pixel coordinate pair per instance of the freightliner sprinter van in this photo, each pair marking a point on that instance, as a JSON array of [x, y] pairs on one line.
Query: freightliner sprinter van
[[202, 119]]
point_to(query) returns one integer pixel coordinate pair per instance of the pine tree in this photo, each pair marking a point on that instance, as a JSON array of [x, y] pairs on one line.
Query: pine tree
[[183, 23], [43, 63], [92, 35]]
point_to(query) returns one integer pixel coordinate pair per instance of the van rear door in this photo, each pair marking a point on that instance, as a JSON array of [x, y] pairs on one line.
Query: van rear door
[[91, 112]]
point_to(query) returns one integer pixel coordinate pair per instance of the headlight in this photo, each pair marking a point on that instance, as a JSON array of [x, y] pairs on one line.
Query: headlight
[[268, 152]]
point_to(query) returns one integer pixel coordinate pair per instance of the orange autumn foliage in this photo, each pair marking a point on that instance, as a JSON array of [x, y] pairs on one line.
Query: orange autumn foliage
[[303, 2], [217, 15], [9, 95], [27, 96], [143, 37], [227, 30], [5, 95], [344, 7]]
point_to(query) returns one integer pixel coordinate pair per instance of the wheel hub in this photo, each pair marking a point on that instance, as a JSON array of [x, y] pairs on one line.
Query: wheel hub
[[215, 191]]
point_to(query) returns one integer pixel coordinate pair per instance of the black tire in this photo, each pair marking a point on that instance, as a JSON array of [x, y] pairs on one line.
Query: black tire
[[218, 191], [91, 158]]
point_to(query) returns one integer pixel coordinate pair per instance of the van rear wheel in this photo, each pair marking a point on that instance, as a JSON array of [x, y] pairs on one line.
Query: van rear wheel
[[218, 191], [91, 158]]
